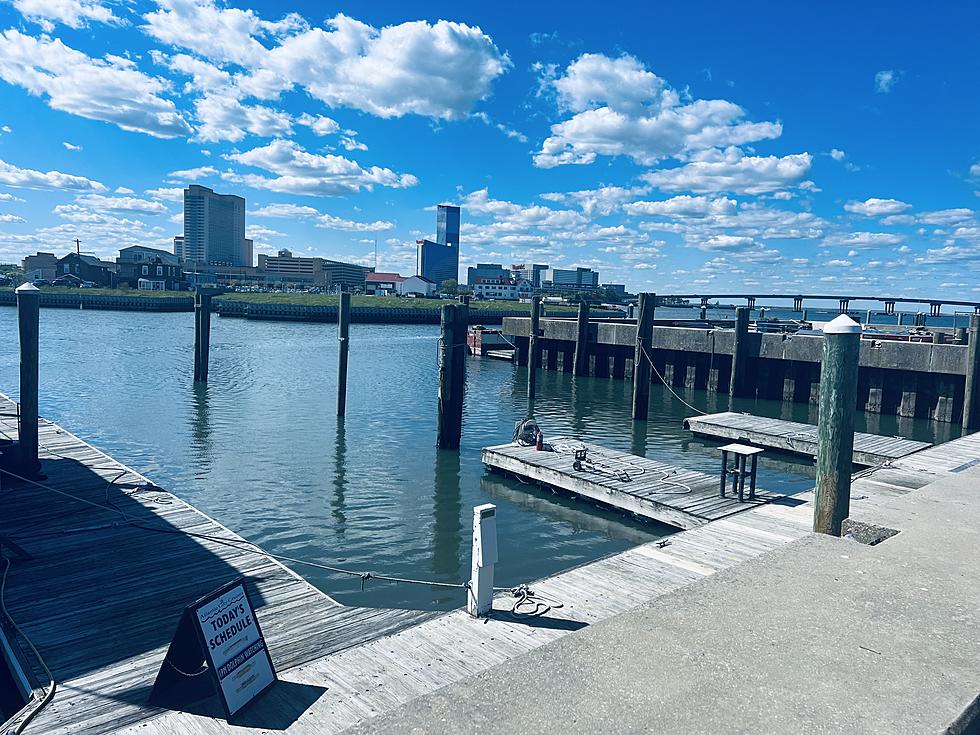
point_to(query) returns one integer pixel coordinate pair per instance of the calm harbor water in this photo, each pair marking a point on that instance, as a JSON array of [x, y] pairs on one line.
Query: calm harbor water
[[260, 449]]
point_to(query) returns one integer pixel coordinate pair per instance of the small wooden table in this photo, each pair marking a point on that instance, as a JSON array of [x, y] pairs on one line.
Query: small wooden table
[[738, 471]]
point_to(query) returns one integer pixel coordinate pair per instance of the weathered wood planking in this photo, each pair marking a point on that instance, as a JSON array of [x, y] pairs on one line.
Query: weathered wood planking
[[382, 675], [650, 489], [790, 436], [101, 597]]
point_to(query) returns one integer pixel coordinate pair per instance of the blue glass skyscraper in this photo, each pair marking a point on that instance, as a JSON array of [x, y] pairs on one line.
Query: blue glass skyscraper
[[439, 260]]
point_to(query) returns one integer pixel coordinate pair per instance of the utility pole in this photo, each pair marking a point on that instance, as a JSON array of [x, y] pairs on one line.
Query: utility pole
[[78, 246]]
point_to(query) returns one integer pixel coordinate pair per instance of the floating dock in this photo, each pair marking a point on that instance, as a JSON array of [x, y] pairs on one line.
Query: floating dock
[[647, 488], [789, 436], [102, 593]]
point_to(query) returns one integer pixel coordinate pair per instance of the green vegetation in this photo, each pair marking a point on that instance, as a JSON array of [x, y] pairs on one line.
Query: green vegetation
[[314, 299]]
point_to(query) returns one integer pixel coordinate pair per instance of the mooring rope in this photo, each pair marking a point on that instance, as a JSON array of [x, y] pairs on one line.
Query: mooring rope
[[643, 349]]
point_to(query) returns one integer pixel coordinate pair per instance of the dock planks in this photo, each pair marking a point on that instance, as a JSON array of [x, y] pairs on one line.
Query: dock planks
[[790, 436], [650, 489], [101, 598]]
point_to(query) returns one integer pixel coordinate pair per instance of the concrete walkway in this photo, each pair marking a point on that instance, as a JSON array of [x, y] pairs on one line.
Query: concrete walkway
[[822, 635]]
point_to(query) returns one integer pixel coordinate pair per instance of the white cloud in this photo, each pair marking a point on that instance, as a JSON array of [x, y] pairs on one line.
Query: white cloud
[[120, 204], [837, 154], [72, 13], [222, 116], [325, 221], [684, 206], [864, 239], [352, 144], [874, 207], [300, 172], [945, 216], [437, 70], [885, 80], [123, 190], [622, 109], [319, 124], [837, 263], [111, 90], [187, 174], [12, 218], [71, 146], [734, 172], [30, 179], [175, 194], [974, 169], [725, 242]]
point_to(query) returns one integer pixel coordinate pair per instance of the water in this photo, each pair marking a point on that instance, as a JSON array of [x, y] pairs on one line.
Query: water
[[260, 449]]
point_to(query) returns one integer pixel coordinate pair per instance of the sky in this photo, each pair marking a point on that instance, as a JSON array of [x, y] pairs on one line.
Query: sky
[[697, 147]]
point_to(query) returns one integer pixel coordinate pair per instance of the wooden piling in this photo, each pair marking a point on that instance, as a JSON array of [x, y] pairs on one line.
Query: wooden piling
[[582, 340], [452, 375], [740, 353], [28, 314], [835, 429], [202, 333], [971, 393], [343, 337], [534, 352], [642, 355]]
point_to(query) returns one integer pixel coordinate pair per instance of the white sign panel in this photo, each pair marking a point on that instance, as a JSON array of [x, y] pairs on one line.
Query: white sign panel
[[235, 647]]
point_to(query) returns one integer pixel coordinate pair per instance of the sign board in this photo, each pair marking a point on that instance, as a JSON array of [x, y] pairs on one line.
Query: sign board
[[218, 648]]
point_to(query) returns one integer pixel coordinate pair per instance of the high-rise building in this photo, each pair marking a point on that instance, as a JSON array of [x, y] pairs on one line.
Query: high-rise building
[[214, 228], [439, 260], [530, 273], [569, 279]]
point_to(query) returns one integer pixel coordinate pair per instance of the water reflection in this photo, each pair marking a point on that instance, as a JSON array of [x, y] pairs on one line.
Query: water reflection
[[337, 505], [201, 430], [446, 508], [639, 446]]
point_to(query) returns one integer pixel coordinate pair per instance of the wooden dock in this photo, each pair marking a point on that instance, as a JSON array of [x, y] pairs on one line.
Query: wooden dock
[[647, 488], [101, 598], [789, 436]]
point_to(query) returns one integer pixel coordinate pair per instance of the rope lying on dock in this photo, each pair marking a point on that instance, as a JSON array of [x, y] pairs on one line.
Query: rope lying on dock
[[620, 468]]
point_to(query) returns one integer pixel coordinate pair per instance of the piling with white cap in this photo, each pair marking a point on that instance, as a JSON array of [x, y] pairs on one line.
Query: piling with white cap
[[838, 397], [479, 600]]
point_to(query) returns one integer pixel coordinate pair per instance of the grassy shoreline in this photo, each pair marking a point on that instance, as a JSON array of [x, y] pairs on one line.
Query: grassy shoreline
[[306, 299]]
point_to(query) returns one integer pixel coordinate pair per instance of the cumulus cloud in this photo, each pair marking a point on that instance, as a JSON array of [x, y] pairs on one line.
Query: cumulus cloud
[[222, 116], [319, 124], [622, 109], [71, 146], [684, 206], [27, 178], [189, 174], [11, 218], [72, 13], [860, 240], [837, 154], [326, 221], [874, 207], [437, 70], [110, 89], [734, 172], [299, 172], [885, 80], [120, 204], [725, 242]]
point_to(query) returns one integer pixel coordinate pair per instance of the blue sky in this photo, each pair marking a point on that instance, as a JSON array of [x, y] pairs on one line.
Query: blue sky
[[675, 147]]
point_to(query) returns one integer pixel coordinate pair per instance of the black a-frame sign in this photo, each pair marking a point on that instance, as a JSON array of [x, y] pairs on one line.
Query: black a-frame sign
[[217, 648]]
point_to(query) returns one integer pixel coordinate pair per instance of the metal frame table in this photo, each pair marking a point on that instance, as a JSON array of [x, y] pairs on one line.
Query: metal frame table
[[738, 472]]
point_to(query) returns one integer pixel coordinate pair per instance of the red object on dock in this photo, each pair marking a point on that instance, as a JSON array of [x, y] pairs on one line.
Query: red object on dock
[[539, 441]]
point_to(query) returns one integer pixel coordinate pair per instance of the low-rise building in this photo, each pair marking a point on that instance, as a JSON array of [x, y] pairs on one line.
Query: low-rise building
[[87, 268], [416, 286], [382, 284], [485, 270], [40, 266], [150, 269], [320, 272], [510, 289]]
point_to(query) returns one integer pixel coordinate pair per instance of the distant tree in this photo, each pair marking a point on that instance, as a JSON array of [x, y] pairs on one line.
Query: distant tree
[[449, 286], [611, 295]]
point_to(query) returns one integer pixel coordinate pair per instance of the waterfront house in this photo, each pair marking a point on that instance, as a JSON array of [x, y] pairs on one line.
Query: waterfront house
[[87, 268], [382, 284], [150, 269], [416, 286], [40, 266], [502, 288]]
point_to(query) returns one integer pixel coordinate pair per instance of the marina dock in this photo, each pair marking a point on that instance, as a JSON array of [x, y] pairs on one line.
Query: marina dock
[[647, 488], [790, 436], [102, 593]]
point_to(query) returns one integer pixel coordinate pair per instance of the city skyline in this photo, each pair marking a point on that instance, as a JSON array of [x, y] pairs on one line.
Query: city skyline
[[774, 151]]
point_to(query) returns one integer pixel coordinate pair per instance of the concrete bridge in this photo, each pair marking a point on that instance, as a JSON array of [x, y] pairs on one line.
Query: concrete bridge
[[935, 305]]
